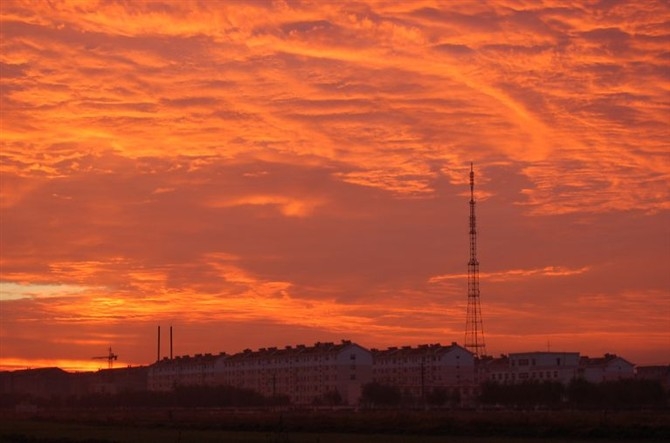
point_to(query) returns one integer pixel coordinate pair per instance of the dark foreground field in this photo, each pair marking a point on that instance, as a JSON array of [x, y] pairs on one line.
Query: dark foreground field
[[218, 425]]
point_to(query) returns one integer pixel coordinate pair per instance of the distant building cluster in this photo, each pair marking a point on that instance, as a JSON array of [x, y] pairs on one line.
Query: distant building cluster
[[308, 374]]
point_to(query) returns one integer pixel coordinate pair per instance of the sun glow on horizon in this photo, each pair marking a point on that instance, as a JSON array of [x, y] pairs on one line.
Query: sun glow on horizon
[[17, 364]]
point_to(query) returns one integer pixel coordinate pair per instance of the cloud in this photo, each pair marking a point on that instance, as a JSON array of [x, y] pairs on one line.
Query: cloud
[[14, 291], [290, 207], [515, 274], [302, 168], [504, 94]]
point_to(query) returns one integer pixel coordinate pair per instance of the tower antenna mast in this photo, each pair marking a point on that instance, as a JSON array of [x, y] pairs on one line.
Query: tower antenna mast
[[474, 328]]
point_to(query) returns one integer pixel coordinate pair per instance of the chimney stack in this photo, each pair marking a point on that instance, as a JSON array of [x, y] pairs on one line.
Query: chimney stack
[[159, 344]]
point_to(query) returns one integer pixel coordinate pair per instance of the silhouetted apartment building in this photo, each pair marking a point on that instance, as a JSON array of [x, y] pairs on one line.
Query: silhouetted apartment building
[[42, 382], [305, 374], [607, 368], [55, 382], [114, 381], [328, 373], [420, 371], [197, 370]]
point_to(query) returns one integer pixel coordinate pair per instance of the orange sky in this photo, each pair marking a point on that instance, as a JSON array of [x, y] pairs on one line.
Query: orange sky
[[261, 173]]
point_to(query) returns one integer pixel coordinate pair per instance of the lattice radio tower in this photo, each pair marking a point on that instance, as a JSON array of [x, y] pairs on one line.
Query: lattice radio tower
[[474, 328]]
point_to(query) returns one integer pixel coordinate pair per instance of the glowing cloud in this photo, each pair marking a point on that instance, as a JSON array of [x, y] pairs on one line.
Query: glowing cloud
[[299, 171]]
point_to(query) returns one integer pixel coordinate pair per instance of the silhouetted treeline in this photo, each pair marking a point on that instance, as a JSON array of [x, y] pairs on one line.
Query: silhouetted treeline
[[579, 394], [182, 396], [523, 394], [376, 395], [617, 394], [621, 394]]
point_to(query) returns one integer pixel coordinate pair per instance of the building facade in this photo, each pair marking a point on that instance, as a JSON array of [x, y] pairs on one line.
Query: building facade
[[607, 368], [305, 374], [532, 366], [324, 372], [562, 367], [197, 370], [40, 383], [421, 371]]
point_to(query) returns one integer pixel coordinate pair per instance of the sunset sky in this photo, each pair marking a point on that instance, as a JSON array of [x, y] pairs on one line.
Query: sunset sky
[[263, 173]]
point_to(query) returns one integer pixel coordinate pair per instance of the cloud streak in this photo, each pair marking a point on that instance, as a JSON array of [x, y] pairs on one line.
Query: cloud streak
[[515, 274]]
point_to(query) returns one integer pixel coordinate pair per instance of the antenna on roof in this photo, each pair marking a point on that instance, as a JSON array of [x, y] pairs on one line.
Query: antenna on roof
[[158, 357]]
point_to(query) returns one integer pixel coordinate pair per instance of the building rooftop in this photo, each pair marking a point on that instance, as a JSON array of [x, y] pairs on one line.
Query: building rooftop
[[406, 351], [318, 348]]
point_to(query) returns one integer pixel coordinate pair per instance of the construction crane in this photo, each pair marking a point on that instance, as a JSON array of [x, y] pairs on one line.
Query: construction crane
[[110, 357]]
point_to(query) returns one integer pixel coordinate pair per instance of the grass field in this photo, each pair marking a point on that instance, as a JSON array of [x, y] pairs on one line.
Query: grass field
[[29, 431], [95, 426]]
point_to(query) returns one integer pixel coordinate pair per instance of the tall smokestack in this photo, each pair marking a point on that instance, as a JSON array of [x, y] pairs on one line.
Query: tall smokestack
[[159, 344], [170, 342]]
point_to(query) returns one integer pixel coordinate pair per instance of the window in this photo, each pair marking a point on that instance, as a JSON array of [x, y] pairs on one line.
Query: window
[[352, 377], [353, 357]]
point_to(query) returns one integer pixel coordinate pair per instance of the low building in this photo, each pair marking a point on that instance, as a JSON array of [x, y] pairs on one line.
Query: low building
[[42, 382], [421, 371], [532, 366], [607, 368]]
